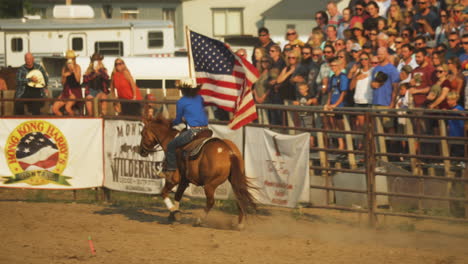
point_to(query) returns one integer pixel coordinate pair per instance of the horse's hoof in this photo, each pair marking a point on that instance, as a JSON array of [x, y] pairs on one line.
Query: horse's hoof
[[177, 215], [171, 217], [198, 222], [240, 227]]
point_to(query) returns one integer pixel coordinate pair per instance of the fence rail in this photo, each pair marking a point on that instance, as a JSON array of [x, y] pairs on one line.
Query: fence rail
[[414, 176]]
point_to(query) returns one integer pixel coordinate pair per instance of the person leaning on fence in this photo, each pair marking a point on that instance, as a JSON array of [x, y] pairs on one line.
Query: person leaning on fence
[[96, 82], [385, 79], [455, 126], [123, 81], [71, 78], [33, 86], [305, 98], [262, 87], [360, 82], [338, 86], [191, 109]]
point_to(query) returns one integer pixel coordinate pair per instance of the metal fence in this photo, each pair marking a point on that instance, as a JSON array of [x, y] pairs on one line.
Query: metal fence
[[410, 169]]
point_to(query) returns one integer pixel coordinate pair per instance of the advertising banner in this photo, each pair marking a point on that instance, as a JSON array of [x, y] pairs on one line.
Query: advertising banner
[[125, 169], [51, 153], [279, 165]]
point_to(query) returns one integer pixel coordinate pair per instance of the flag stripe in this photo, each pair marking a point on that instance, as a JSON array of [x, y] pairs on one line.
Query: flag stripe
[[226, 78], [47, 163], [218, 94], [222, 83]]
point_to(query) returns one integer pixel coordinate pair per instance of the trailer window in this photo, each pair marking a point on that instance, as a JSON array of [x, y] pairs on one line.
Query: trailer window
[[16, 44], [151, 84], [155, 39], [109, 48], [77, 44]]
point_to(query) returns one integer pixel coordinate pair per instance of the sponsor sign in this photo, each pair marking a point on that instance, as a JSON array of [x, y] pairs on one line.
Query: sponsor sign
[[51, 153], [125, 169], [279, 166]]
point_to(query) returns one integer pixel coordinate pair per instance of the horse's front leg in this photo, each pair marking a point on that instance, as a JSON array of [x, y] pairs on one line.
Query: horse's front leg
[[175, 213], [168, 186]]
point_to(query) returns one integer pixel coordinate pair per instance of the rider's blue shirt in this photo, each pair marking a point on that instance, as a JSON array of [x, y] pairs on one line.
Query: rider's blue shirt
[[191, 108]]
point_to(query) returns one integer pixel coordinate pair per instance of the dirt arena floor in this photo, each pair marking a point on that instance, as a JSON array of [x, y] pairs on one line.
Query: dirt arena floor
[[57, 232]]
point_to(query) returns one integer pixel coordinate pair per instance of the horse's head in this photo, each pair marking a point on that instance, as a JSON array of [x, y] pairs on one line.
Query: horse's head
[[155, 131]]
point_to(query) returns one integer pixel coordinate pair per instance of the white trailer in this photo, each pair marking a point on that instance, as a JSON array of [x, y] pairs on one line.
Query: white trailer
[[53, 37]]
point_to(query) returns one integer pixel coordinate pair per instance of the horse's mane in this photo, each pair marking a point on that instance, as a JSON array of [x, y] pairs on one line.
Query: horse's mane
[[160, 119]]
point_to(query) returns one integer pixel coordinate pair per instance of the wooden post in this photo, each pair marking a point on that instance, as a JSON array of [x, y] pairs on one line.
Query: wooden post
[[324, 164], [415, 166], [445, 153], [349, 143], [106, 194], [2, 105], [382, 146], [465, 174], [369, 146], [96, 111]]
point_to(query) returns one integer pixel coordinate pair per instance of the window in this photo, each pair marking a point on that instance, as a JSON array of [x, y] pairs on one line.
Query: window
[[152, 84], [129, 12], [109, 48], [169, 15], [16, 44], [77, 44], [227, 21], [155, 39], [107, 9]]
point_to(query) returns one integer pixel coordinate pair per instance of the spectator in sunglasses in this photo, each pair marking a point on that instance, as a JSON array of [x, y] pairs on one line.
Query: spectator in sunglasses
[[360, 14], [321, 19], [454, 49], [443, 28], [426, 20], [293, 38], [264, 41]]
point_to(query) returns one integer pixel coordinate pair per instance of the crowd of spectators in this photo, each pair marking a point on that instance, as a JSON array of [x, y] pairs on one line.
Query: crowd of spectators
[[373, 54], [95, 82]]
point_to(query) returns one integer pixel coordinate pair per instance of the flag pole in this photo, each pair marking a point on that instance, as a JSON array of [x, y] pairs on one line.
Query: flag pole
[[189, 53]]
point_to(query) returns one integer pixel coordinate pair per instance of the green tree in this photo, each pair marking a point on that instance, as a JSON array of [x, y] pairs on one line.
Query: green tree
[[11, 9]]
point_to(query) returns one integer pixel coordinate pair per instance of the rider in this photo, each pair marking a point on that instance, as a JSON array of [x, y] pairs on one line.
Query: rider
[[190, 108]]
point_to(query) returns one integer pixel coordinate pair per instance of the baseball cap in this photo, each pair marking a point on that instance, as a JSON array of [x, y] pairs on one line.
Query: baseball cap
[[356, 47]]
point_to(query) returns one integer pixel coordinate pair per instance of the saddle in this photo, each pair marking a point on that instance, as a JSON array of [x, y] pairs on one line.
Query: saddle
[[192, 150]]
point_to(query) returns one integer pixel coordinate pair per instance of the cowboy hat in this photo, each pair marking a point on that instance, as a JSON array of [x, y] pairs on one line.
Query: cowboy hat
[[97, 56], [358, 25], [70, 54], [40, 83]]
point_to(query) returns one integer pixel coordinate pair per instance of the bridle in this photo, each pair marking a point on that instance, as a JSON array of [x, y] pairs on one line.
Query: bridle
[[155, 148]]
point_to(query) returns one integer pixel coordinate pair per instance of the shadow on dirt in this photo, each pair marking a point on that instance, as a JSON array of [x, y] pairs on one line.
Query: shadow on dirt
[[144, 215]]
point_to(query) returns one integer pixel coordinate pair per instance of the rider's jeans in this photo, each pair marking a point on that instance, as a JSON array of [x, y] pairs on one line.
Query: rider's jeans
[[184, 138]]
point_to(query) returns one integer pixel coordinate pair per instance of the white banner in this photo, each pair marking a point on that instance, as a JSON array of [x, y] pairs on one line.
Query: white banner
[[279, 165], [125, 169], [51, 153]]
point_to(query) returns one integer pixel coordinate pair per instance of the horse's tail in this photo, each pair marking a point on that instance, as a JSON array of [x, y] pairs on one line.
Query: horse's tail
[[240, 184]]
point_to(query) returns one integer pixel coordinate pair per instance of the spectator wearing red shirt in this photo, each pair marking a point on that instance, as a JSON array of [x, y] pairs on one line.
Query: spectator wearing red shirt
[[421, 80]]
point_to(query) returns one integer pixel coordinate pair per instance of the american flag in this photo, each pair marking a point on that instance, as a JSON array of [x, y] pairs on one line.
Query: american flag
[[226, 78], [37, 152]]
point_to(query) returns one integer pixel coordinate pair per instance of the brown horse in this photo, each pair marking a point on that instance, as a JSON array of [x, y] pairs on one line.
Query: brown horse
[[219, 160]]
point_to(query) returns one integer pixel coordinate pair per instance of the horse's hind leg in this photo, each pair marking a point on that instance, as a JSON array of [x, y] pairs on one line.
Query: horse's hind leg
[[209, 193], [240, 223]]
